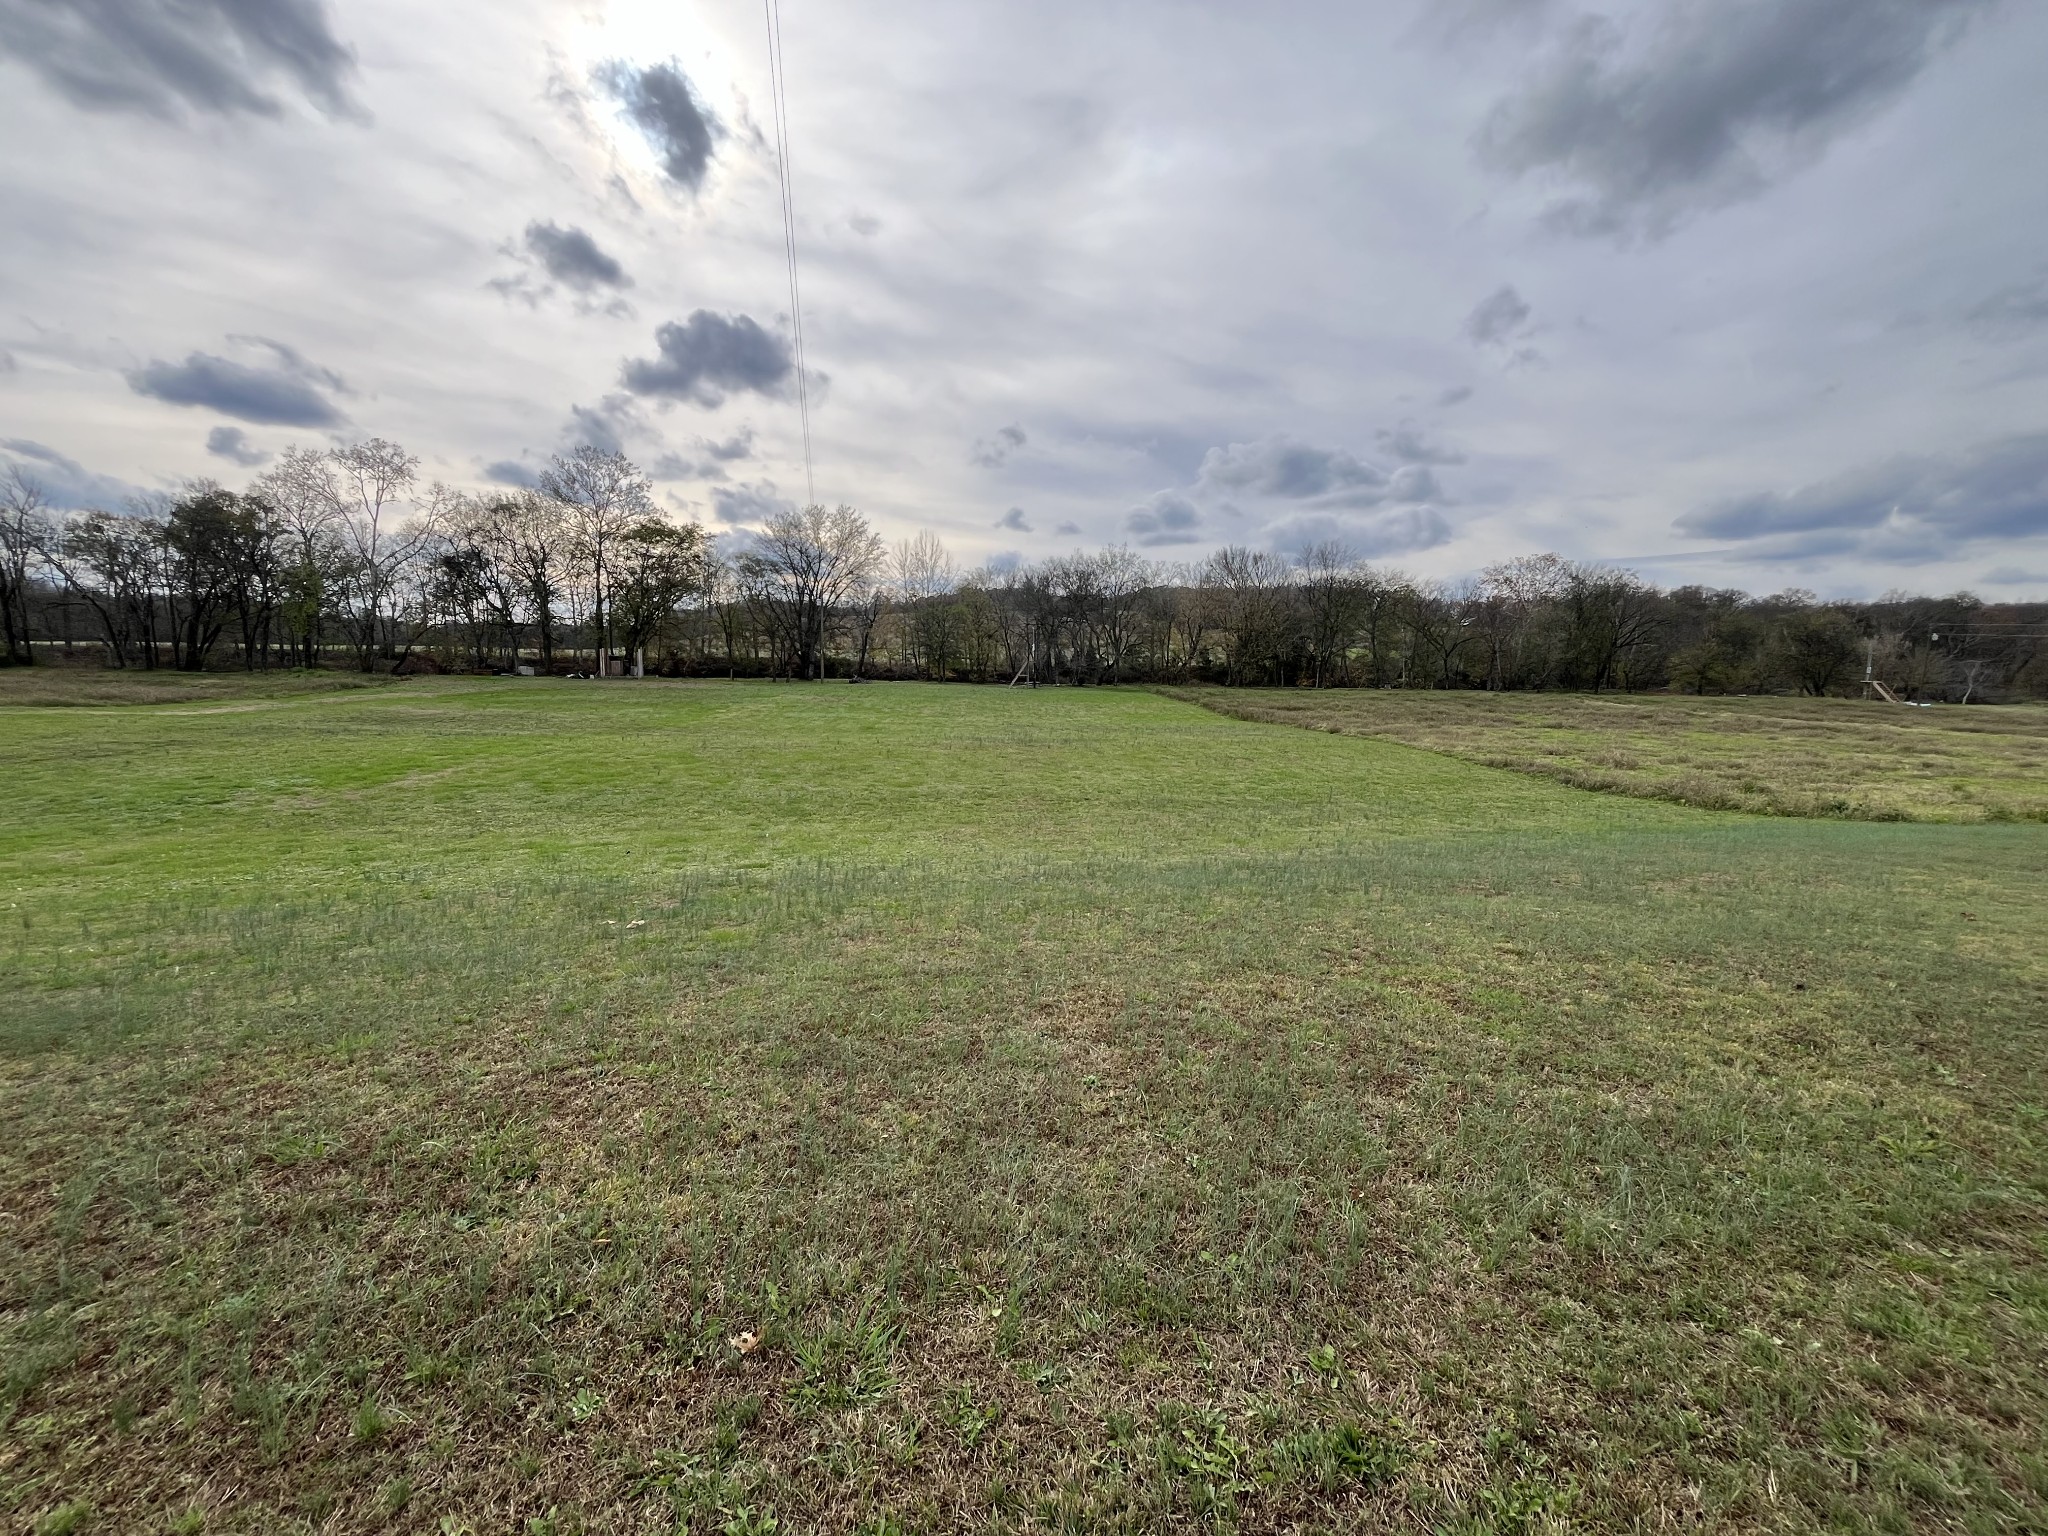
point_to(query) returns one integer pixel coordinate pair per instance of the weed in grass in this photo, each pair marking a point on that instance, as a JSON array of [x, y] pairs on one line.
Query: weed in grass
[[969, 1419], [370, 1422], [1334, 1455], [1200, 1452], [844, 1362], [1527, 1504]]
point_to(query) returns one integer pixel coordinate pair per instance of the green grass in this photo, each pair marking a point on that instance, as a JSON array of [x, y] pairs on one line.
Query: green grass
[[670, 776], [1850, 758], [604, 1107]]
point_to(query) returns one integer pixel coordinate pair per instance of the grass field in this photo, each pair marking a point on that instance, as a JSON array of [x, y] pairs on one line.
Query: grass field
[[1867, 761], [518, 1106]]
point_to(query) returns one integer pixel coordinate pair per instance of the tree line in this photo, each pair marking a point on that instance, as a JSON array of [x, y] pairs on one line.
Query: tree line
[[340, 557]]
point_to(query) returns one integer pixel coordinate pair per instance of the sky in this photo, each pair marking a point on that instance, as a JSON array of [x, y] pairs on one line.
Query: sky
[[1738, 292]]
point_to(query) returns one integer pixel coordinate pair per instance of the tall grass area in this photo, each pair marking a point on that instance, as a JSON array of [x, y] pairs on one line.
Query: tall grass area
[[55, 684], [1858, 759], [553, 1107]]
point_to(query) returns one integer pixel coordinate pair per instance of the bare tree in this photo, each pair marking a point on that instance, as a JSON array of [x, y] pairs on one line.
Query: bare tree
[[1122, 579], [921, 568], [980, 629], [1253, 588], [1192, 615], [26, 534], [923, 576], [303, 490], [112, 562], [1073, 616], [479, 580], [802, 571], [1612, 614], [725, 594], [1384, 599], [1512, 600], [865, 605], [605, 496], [368, 483], [537, 541], [1333, 587], [1440, 630]]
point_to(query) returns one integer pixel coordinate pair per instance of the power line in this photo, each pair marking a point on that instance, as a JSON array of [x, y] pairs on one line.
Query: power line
[[771, 11]]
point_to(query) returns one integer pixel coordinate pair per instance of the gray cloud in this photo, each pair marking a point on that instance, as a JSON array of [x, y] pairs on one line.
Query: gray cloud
[[1375, 537], [1457, 394], [2022, 307], [573, 259], [994, 452], [1066, 529], [708, 356], [739, 446], [2015, 576], [1708, 107], [736, 504], [1498, 319], [214, 56], [1414, 483], [673, 466], [511, 472], [660, 102], [608, 426], [66, 482], [1014, 521], [1283, 469], [233, 443], [1454, 22], [1167, 517], [1172, 449], [1321, 493], [1907, 508], [288, 391], [1411, 445]]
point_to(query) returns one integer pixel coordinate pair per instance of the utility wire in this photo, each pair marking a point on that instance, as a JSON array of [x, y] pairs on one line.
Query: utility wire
[[771, 12]]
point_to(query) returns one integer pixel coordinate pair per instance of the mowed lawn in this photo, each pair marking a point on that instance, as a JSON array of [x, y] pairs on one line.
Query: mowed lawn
[[519, 1106]]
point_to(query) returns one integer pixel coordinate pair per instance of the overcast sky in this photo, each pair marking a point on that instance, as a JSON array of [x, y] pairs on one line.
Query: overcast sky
[[1748, 292]]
